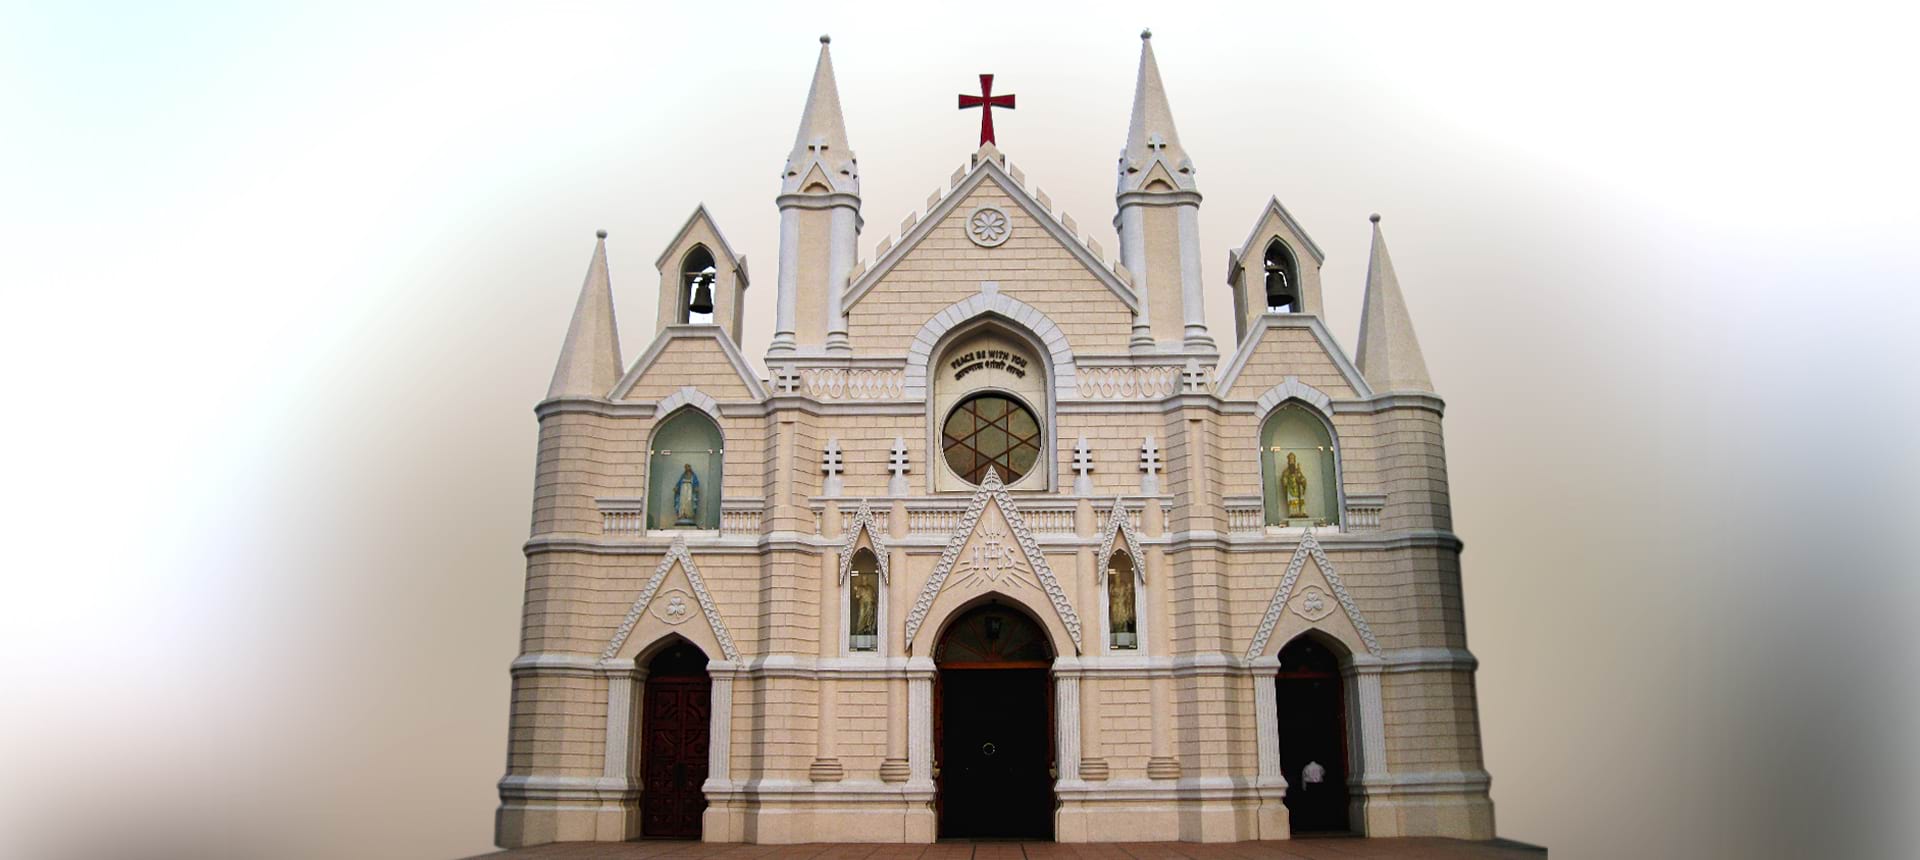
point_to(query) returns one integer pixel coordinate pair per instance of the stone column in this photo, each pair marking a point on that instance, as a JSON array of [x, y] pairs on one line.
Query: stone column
[[1130, 224], [720, 731], [1266, 723], [920, 720], [1093, 765], [1066, 718], [787, 302], [840, 252], [1191, 295], [621, 725], [1373, 724]]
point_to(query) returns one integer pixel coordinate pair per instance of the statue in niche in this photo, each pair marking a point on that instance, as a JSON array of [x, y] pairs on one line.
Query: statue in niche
[[1120, 605], [866, 605], [686, 498], [1293, 482]]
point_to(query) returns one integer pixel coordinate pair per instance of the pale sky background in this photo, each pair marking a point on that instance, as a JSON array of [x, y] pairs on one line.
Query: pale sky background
[[283, 284]]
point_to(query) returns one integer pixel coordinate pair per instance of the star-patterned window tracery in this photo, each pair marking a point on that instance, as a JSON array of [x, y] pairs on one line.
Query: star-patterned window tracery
[[991, 431]]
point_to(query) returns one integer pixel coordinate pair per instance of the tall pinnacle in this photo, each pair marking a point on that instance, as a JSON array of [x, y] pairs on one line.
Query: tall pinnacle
[[1151, 137], [1389, 353], [589, 363], [822, 138]]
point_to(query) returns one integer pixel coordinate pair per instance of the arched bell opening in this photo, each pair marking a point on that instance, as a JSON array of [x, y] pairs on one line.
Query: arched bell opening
[[1316, 734], [698, 275], [993, 725], [1282, 278], [676, 729]]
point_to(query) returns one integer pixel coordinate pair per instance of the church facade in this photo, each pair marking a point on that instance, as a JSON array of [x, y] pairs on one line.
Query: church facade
[[1008, 541]]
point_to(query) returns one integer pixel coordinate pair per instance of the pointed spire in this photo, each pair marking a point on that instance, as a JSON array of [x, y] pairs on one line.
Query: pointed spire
[[1389, 353], [1151, 137], [822, 139], [590, 359]]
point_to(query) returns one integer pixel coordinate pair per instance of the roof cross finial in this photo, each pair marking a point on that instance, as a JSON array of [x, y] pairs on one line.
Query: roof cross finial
[[986, 101]]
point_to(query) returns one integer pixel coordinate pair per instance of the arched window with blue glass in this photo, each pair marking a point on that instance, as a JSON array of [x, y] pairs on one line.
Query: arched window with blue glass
[[683, 467], [1299, 468]]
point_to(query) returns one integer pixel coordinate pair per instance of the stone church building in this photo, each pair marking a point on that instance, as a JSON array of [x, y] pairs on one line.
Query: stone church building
[[1009, 542]]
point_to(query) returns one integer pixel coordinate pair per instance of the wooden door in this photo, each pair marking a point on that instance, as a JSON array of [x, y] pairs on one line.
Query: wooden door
[[673, 760]]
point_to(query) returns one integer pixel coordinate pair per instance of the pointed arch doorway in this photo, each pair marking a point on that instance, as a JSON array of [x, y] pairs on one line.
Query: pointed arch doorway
[[1313, 735], [675, 722], [993, 726]]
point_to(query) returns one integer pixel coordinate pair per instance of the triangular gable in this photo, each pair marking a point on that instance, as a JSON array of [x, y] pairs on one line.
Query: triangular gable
[[1309, 547], [675, 554], [991, 490], [1158, 173], [1120, 527], [1275, 211], [987, 166], [691, 332], [863, 522], [1230, 373], [726, 255]]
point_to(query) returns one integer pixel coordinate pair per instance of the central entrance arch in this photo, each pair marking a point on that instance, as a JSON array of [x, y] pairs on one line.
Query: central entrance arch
[[993, 726]]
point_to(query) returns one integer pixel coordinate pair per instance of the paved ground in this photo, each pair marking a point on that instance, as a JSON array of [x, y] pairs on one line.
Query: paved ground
[[1296, 849]]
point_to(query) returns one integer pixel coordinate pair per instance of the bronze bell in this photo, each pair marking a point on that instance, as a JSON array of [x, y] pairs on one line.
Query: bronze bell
[[702, 295], [1280, 292]]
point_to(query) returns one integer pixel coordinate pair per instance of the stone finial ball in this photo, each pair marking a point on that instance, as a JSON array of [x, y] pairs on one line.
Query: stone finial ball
[[1375, 217], [601, 233], [825, 39], [1146, 34]]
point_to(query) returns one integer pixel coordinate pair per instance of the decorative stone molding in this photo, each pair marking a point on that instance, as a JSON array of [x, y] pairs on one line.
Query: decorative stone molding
[[992, 489], [688, 396], [990, 301], [1309, 546], [676, 553], [1120, 525], [1292, 388], [1128, 382], [987, 226], [863, 521], [852, 383]]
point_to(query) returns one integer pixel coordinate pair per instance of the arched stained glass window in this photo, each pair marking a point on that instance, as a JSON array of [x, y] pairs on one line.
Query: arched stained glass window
[[991, 430], [1298, 468], [683, 473]]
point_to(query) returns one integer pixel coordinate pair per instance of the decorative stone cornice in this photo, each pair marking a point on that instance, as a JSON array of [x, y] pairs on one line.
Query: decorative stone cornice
[[992, 489], [675, 553], [863, 521], [1309, 546]]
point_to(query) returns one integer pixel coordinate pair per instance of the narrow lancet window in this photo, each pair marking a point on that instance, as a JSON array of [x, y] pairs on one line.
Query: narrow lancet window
[[697, 278], [863, 602], [1282, 279], [1123, 626]]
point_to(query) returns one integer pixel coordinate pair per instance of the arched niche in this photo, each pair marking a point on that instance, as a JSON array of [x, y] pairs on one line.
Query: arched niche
[[865, 599], [1280, 283], [684, 469], [1299, 467], [1126, 631]]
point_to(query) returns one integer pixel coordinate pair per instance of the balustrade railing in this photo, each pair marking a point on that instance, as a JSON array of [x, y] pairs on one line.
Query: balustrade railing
[[1363, 513]]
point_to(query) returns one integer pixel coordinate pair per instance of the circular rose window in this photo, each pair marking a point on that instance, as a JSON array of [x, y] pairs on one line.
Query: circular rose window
[[991, 431]]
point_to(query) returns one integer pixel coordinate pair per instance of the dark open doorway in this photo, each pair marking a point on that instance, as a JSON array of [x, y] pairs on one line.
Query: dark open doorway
[[1313, 736], [993, 727]]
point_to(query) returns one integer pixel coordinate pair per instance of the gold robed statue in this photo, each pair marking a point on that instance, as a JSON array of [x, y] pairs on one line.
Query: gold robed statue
[[1120, 601], [866, 605], [686, 498], [1293, 482]]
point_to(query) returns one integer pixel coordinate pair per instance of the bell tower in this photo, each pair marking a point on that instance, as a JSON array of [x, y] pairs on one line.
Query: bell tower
[[1159, 220], [819, 224], [702, 282]]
